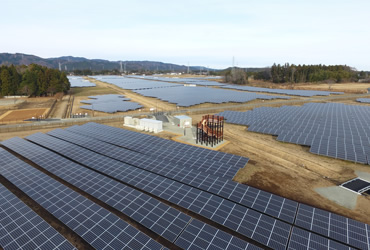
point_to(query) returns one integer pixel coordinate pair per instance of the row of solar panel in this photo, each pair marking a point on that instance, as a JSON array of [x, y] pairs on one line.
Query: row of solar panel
[[113, 107], [76, 81], [133, 83], [200, 81], [217, 189], [331, 129], [185, 80], [254, 225], [257, 199], [189, 96], [111, 103], [306, 93], [67, 220], [105, 98], [103, 230], [97, 226], [218, 163], [363, 100]]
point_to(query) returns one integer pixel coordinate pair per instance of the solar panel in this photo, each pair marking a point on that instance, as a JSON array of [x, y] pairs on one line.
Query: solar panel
[[156, 216], [257, 226], [22, 228], [262, 201], [302, 239], [199, 235], [100, 228], [113, 107], [334, 226], [218, 163], [77, 81], [134, 84], [185, 80], [363, 100], [110, 103], [332, 129], [189, 96], [357, 185], [105, 98], [306, 93]]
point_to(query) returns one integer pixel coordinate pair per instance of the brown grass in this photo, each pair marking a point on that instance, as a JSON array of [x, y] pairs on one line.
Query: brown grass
[[23, 114]]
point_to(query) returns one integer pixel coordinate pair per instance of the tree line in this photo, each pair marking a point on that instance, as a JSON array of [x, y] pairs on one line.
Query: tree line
[[291, 73], [32, 80]]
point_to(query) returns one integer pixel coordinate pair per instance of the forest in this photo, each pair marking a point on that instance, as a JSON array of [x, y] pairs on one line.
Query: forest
[[312, 73], [291, 73], [32, 80]]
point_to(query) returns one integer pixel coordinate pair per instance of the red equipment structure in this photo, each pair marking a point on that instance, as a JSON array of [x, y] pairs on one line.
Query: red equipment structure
[[210, 130]]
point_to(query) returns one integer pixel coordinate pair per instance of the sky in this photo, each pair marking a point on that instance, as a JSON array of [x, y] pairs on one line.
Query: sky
[[256, 33]]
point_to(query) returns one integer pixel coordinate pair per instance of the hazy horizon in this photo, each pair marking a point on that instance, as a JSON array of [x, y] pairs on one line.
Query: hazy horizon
[[206, 33]]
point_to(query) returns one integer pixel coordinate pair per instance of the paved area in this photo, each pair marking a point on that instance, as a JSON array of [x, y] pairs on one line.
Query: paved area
[[339, 195], [342, 196], [363, 175]]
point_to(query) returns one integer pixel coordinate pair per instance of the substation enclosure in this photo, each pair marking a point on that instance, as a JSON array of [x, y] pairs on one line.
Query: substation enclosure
[[182, 121]]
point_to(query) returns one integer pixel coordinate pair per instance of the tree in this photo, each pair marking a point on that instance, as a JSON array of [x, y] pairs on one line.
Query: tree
[[5, 82]]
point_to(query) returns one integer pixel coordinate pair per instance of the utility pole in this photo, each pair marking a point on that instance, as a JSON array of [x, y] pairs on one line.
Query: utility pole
[[188, 69]]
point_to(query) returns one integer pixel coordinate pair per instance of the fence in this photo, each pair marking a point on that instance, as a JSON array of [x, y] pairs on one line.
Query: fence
[[57, 124]]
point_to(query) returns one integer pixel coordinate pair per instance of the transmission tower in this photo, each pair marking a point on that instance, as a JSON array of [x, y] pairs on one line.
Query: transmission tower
[[121, 69]]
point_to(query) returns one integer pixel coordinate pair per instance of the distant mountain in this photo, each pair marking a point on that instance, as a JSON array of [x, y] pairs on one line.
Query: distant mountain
[[70, 63]]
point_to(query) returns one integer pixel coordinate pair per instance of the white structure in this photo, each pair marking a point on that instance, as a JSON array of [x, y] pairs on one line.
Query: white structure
[[182, 121], [143, 124], [128, 121], [151, 125]]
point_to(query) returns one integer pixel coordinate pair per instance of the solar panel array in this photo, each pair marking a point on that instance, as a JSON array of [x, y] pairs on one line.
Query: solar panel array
[[156, 216], [110, 103], [259, 227], [134, 83], [97, 226], [205, 160], [357, 185], [199, 235], [22, 228], [252, 198], [77, 81], [115, 171], [105, 98], [189, 96], [185, 80], [363, 100], [332, 129], [305, 93]]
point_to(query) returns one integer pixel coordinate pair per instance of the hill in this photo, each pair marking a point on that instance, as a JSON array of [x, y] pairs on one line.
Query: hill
[[70, 63]]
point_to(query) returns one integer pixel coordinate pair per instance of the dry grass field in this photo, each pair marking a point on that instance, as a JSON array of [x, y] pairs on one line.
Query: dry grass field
[[343, 87], [24, 108], [22, 114]]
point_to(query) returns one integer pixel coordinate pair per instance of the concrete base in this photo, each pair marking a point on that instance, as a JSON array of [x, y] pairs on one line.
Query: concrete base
[[363, 175], [339, 195]]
